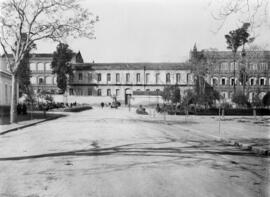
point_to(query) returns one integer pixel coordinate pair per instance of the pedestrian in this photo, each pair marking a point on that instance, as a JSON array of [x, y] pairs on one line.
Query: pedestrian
[[19, 108], [24, 109], [158, 109], [102, 105]]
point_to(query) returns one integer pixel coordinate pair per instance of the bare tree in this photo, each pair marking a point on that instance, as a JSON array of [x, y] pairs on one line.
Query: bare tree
[[23, 22], [255, 12]]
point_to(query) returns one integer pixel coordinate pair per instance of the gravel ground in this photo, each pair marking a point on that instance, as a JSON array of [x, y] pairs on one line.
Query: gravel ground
[[119, 153]]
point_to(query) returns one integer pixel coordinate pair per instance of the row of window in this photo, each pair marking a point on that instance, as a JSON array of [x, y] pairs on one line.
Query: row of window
[[138, 78], [100, 92], [251, 95], [252, 81], [225, 66], [43, 80], [40, 66]]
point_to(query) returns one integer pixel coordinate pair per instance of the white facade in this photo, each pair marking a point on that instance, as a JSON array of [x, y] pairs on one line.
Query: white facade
[[5, 84], [121, 80]]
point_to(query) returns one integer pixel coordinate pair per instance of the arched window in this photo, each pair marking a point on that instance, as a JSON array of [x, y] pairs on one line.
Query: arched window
[[41, 81], [223, 81], [262, 81], [252, 81], [232, 81], [214, 81]]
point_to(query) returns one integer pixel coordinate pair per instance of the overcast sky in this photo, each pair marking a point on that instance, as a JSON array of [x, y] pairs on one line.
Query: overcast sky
[[150, 31]]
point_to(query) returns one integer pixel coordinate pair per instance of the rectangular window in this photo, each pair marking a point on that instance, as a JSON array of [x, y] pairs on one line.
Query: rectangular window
[[6, 93], [108, 92], [71, 91], [117, 78], [117, 92], [80, 76], [99, 92], [178, 77], [99, 76], [90, 91], [168, 78], [108, 77], [79, 92], [147, 78], [89, 77], [71, 79], [127, 77], [263, 66], [157, 78], [138, 77]]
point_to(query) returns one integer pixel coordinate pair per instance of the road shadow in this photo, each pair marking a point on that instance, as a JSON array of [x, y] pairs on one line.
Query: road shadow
[[5, 120], [192, 148]]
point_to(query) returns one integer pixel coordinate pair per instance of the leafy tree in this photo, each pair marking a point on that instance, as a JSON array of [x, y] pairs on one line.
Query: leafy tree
[[235, 39], [60, 66], [24, 22], [240, 99], [266, 99], [171, 93]]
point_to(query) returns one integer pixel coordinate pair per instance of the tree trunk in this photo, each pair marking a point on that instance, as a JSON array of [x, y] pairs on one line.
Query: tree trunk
[[234, 60], [13, 104]]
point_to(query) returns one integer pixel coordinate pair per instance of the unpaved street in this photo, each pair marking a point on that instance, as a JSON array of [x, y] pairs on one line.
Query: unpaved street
[[117, 153]]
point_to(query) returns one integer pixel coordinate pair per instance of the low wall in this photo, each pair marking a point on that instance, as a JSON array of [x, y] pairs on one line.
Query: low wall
[[96, 100], [91, 100], [146, 100]]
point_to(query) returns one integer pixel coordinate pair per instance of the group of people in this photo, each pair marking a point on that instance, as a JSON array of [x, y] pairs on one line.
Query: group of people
[[22, 109]]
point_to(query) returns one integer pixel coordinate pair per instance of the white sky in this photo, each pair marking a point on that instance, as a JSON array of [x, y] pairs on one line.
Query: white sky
[[150, 31]]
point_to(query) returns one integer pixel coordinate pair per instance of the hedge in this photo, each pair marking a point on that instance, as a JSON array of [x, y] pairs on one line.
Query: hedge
[[228, 112], [77, 109]]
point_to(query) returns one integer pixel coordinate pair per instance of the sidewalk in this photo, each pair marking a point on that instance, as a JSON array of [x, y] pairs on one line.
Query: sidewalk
[[26, 121], [247, 132]]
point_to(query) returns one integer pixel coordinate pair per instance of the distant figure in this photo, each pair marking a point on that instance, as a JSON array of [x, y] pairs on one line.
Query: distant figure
[[158, 109], [24, 109], [19, 108], [102, 105]]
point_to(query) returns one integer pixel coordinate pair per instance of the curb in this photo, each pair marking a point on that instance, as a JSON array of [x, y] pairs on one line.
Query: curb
[[27, 125]]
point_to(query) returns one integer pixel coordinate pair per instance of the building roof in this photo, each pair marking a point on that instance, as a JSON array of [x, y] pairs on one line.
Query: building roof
[[130, 66], [229, 54], [40, 55]]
